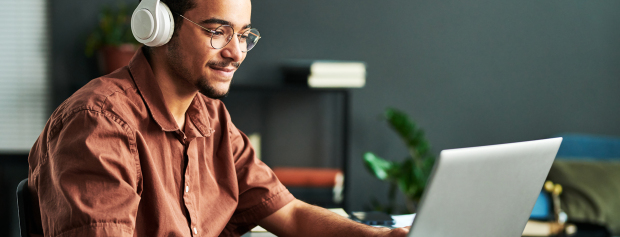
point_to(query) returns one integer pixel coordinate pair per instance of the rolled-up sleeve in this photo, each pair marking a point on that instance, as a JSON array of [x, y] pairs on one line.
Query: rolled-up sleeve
[[87, 177]]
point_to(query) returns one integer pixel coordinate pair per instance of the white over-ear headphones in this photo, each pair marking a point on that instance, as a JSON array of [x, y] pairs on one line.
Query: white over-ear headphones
[[152, 23]]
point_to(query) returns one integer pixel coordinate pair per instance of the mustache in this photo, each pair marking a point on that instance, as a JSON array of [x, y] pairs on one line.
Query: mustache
[[221, 64]]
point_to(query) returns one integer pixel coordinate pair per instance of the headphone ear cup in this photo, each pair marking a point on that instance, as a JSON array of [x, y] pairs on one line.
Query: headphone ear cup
[[143, 25], [166, 26], [152, 25]]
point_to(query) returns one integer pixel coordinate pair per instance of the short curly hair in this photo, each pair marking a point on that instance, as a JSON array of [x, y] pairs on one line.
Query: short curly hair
[[179, 7]]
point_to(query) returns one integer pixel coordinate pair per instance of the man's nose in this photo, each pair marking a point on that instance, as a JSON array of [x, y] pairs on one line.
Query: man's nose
[[233, 50]]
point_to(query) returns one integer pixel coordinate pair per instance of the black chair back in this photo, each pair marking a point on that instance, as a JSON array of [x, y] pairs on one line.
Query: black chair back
[[23, 209]]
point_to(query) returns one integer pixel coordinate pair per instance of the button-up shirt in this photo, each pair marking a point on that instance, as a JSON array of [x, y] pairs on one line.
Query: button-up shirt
[[112, 161]]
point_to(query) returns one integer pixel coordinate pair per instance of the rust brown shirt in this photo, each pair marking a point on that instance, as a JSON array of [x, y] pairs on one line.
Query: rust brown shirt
[[112, 161]]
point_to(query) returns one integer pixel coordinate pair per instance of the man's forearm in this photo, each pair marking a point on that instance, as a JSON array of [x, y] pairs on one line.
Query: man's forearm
[[303, 219]]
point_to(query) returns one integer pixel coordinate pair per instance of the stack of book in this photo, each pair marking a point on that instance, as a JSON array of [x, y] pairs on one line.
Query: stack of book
[[325, 73]]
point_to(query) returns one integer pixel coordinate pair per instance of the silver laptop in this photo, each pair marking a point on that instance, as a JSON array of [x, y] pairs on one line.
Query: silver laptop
[[484, 191]]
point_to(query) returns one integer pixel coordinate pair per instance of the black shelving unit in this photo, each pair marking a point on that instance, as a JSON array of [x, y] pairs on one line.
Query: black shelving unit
[[264, 92]]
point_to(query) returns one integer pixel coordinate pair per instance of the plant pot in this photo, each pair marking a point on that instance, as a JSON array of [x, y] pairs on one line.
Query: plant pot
[[114, 57]]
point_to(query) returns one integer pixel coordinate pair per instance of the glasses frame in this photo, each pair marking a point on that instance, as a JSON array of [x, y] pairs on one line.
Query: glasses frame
[[213, 32]]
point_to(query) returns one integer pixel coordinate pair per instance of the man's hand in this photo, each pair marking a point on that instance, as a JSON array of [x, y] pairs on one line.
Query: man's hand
[[398, 232], [301, 219]]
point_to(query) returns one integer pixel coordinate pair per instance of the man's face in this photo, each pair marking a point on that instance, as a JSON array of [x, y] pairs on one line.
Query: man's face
[[190, 55]]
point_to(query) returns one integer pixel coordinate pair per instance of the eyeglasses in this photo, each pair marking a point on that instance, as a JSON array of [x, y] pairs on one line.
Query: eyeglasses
[[222, 35]]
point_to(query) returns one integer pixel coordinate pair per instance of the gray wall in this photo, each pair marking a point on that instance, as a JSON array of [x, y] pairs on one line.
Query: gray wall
[[470, 73]]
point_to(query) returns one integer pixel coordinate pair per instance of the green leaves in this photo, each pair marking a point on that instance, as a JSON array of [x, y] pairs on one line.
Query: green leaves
[[377, 166], [408, 132], [412, 173]]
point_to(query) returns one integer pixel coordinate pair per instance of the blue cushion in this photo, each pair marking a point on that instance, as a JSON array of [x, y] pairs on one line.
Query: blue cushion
[[589, 147]]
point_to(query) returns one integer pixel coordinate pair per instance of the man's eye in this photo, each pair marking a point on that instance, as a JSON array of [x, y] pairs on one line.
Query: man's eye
[[215, 32]]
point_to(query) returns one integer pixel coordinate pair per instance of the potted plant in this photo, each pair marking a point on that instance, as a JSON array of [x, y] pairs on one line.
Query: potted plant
[[112, 40], [409, 175]]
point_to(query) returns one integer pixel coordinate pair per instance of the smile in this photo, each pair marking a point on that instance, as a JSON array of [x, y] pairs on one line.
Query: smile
[[224, 71]]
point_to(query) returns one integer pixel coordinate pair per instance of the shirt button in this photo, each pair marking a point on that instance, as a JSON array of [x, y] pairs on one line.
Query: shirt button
[[186, 189], [195, 231]]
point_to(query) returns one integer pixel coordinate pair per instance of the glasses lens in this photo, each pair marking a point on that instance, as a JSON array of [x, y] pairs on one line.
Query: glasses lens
[[249, 38], [221, 36]]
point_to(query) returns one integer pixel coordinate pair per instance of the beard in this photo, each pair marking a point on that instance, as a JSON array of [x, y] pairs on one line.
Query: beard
[[206, 89], [179, 70]]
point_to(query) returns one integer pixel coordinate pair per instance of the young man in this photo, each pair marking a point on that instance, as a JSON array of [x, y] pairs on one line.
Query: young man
[[141, 152]]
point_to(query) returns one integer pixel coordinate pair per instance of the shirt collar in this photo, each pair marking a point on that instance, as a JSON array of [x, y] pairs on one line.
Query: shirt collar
[[144, 78], [198, 116]]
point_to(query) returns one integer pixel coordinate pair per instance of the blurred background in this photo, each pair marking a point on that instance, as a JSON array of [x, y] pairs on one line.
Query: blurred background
[[469, 73]]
